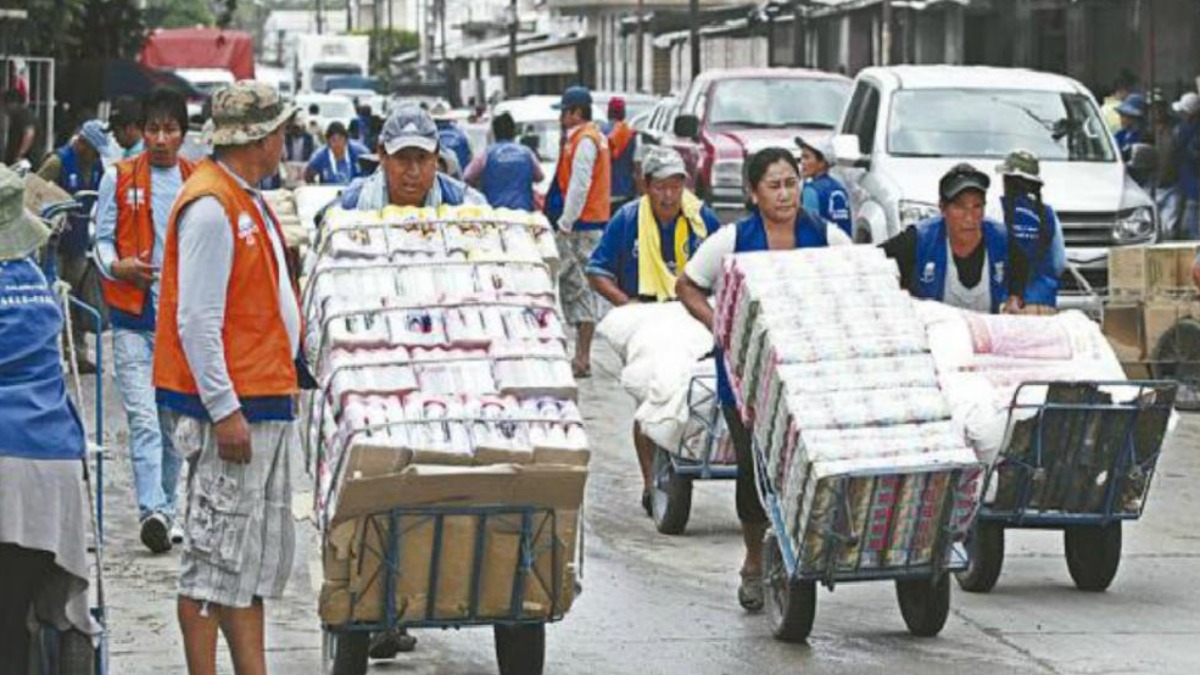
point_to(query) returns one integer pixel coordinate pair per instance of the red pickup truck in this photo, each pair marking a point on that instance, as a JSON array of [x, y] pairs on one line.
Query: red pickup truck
[[728, 114]]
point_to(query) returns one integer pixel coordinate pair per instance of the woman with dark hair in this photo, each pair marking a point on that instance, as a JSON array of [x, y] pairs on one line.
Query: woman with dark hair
[[775, 223]]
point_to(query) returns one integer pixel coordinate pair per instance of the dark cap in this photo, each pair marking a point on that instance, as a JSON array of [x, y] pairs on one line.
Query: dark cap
[[574, 97], [962, 177]]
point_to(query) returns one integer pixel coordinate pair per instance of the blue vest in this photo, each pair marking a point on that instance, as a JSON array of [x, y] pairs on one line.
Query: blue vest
[[622, 167], [454, 193], [450, 136], [834, 201], [752, 236], [334, 173], [617, 252], [929, 277], [1045, 261], [37, 418], [75, 241], [507, 179]]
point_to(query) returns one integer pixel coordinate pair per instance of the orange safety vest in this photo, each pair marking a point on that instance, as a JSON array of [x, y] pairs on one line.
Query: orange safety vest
[[619, 137], [597, 208], [135, 228], [257, 351]]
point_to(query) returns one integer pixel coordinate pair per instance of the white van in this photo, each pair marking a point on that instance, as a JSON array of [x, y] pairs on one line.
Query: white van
[[907, 125]]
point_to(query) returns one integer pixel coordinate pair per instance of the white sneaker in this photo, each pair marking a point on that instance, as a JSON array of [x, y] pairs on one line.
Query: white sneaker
[[176, 533]]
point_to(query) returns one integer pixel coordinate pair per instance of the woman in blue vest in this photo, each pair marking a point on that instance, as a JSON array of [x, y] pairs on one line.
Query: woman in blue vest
[[823, 194], [43, 509], [337, 162], [507, 171], [960, 257], [776, 222], [1033, 228]]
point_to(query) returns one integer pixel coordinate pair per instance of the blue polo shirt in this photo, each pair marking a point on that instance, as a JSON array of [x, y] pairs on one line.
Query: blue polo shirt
[[616, 256]]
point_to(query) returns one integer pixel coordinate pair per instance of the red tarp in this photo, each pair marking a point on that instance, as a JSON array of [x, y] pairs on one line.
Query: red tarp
[[232, 50]]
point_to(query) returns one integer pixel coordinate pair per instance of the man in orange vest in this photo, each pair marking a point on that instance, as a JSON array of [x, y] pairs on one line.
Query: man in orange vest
[[579, 205], [132, 211], [226, 368], [622, 141]]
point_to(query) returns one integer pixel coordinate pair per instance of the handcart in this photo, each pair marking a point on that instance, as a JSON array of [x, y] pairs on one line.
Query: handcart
[[1078, 459], [71, 652], [842, 551], [699, 457], [520, 638]]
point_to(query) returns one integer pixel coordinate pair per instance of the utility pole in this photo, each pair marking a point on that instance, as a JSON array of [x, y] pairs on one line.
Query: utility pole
[[885, 38], [320, 12], [694, 39], [799, 36], [641, 46], [442, 17], [510, 85]]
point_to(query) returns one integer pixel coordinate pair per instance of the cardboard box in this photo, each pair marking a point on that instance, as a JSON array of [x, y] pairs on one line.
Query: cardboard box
[[39, 192], [1151, 270], [360, 596], [1124, 328]]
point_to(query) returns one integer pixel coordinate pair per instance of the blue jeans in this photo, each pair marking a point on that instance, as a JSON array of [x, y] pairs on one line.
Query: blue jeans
[[155, 462], [1170, 203]]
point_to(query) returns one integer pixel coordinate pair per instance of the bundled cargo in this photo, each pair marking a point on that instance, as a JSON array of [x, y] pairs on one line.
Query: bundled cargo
[[444, 385], [851, 430]]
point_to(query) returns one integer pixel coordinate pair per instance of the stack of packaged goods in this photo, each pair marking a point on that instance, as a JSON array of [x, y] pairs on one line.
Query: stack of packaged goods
[[833, 375], [444, 381]]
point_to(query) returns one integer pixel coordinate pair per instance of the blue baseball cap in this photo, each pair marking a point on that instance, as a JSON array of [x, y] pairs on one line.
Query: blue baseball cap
[[574, 97], [1134, 105]]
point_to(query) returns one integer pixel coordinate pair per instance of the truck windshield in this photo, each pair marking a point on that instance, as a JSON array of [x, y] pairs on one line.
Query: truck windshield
[[989, 123], [777, 102]]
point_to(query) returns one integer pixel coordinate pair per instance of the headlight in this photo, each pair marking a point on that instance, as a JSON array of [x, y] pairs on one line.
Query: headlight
[[1134, 225], [727, 173], [912, 213]]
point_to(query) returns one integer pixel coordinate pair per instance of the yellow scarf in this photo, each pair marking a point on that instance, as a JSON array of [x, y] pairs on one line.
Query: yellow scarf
[[654, 278]]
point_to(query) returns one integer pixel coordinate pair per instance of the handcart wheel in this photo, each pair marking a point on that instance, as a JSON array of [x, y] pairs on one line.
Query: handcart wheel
[[1093, 554], [924, 604], [1177, 357], [345, 652], [791, 603], [671, 501], [521, 649], [76, 656], [985, 547]]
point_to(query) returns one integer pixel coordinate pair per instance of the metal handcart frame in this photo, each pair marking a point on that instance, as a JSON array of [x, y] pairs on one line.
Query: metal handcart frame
[[674, 472], [520, 639], [922, 589], [1038, 472]]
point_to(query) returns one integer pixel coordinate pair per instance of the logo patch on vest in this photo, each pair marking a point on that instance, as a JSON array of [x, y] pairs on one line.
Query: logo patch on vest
[[246, 229], [135, 196], [998, 275], [928, 274]]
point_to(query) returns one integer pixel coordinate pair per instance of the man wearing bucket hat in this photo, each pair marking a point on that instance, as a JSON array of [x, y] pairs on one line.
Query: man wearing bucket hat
[[642, 250], [227, 369], [408, 168], [959, 257], [43, 502], [77, 167], [1033, 230], [823, 195]]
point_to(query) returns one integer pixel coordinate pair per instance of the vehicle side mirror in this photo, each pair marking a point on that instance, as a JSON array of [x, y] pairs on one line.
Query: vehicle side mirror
[[1143, 158], [686, 126], [847, 152]]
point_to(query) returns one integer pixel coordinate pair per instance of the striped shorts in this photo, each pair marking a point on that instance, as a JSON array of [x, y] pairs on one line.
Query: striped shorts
[[239, 538]]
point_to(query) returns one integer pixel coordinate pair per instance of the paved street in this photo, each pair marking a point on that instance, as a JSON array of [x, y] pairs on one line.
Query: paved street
[[657, 604]]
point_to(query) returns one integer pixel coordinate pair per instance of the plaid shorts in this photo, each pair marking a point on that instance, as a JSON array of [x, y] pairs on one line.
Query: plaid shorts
[[239, 538], [580, 303]]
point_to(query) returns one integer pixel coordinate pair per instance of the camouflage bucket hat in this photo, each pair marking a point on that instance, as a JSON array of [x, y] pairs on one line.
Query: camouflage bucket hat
[[21, 233], [1021, 164], [247, 111]]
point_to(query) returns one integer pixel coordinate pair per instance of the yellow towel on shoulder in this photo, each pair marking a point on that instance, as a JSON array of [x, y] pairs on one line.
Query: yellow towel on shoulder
[[654, 277]]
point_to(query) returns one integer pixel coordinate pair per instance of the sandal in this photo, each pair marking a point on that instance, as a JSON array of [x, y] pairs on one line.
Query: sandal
[[751, 594], [580, 373]]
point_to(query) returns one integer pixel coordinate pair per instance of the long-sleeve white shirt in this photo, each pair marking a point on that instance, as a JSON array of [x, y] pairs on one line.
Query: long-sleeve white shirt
[[582, 167]]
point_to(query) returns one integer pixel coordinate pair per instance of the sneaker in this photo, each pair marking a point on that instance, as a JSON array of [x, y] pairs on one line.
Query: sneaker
[[176, 533], [389, 643], [751, 594], [154, 533]]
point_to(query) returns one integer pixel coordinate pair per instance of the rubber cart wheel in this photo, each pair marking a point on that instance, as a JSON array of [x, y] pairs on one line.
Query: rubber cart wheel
[[1093, 554], [671, 501], [521, 649], [924, 604], [791, 603], [1177, 357], [76, 656], [345, 652], [985, 547]]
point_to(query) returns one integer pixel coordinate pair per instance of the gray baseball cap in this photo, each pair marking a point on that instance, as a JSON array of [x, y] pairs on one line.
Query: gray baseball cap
[[409, 126], [663, 162]]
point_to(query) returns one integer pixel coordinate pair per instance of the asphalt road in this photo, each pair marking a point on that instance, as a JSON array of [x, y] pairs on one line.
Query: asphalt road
[[657, 604]]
